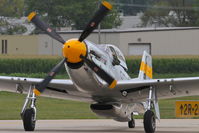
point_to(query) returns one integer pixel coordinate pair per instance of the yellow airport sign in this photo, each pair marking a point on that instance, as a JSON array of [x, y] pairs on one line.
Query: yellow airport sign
[[187, 109]]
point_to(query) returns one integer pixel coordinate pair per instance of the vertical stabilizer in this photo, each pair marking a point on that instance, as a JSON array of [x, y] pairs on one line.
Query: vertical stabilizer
[[146, 71]]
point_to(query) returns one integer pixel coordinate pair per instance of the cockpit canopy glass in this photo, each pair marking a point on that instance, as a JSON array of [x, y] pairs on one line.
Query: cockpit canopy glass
[[115, 51], [117, 55]]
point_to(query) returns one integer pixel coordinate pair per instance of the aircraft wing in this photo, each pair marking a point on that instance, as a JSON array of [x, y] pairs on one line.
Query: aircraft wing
[[166, 88], [58, 88]]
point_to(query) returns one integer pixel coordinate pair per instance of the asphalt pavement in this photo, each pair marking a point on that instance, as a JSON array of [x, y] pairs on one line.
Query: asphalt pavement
[[100, 126]]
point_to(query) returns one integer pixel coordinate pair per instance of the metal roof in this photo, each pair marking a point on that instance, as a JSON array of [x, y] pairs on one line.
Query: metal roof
[[135, 30]]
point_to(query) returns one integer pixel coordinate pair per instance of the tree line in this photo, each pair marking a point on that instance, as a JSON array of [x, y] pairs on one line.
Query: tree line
[[168, 13], [76, 14]]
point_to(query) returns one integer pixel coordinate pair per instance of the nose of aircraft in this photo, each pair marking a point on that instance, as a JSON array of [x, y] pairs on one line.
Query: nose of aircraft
[[73, 49]]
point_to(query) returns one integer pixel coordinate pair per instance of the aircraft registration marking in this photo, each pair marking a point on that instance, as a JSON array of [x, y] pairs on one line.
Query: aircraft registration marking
[[187, 109]]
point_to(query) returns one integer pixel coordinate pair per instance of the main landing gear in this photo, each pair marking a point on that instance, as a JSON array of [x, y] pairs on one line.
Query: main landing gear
[[131, 123], [149, 122], [28, 113], [149, 116]]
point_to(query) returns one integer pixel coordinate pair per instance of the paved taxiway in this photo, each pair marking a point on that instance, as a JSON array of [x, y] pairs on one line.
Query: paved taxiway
[[99, 126]]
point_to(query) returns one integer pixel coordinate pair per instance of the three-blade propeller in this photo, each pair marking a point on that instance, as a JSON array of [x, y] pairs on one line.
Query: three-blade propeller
[[94, 22]]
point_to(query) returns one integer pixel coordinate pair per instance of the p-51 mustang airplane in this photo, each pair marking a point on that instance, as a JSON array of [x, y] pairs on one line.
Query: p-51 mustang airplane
[[99, 76]]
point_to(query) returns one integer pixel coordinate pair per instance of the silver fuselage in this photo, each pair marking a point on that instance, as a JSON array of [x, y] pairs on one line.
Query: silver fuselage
[[86, 80], [89, 84]]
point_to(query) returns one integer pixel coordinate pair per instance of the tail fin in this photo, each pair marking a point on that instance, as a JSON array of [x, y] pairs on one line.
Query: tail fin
[[146, 71]]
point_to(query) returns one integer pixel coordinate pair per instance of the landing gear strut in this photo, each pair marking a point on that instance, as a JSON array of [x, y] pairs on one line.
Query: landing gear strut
[[28, 113], [131, 123], [149, 116]]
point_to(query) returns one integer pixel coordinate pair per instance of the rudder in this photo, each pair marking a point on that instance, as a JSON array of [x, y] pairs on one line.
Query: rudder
[[146, 71]]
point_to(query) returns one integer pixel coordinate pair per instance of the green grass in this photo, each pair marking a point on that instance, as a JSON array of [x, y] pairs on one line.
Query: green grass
[[50, 108]]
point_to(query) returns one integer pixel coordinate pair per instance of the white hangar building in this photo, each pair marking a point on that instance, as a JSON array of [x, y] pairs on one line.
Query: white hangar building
[[159, 41]]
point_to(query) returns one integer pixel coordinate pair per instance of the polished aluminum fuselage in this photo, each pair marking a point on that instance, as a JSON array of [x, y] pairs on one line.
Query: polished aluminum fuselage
[[86, 80]]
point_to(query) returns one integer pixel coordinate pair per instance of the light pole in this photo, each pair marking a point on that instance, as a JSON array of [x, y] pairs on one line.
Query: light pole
[[99, 27]]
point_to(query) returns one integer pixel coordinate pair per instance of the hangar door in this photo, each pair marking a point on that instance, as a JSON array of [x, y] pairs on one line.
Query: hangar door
[[138, 48]]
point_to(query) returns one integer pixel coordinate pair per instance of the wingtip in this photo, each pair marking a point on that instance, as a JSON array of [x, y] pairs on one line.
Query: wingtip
[[37, 93], [107, 5], [113, 84], [31, 16]]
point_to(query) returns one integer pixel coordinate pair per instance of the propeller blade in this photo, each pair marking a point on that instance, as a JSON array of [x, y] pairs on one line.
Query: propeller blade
[[41, 86], [101, 73], [33, 17], [94, 22]]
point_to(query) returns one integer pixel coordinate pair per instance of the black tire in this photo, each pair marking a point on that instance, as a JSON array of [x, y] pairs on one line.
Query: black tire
[[28, 120], [131, 123], [149, 122]]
